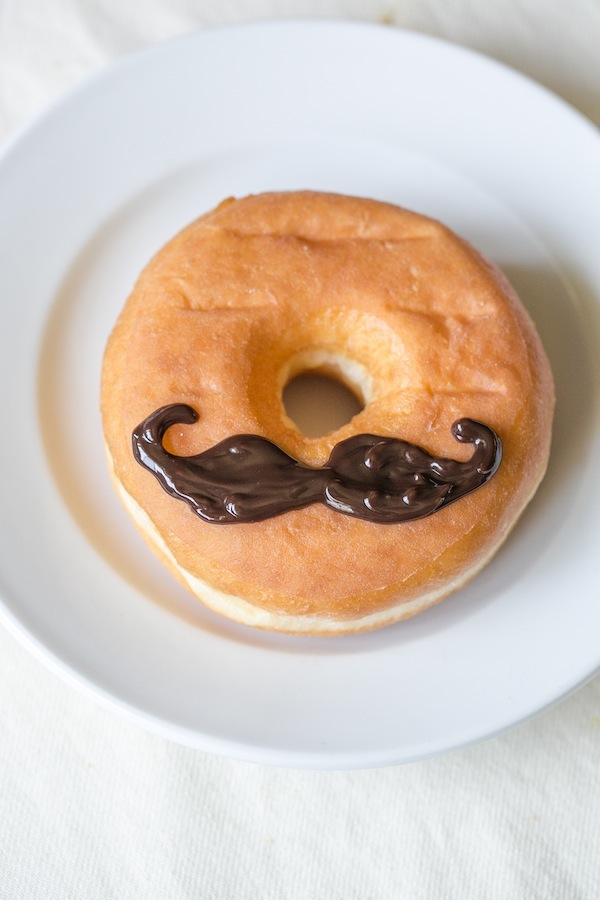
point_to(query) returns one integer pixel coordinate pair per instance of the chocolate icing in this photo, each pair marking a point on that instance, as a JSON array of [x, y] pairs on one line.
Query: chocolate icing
[[247, 478]]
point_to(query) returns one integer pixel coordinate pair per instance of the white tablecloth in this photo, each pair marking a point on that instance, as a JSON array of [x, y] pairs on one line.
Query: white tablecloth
[[93, 807]]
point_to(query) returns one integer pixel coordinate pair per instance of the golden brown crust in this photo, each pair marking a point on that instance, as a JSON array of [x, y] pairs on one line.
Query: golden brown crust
[[217, 319]]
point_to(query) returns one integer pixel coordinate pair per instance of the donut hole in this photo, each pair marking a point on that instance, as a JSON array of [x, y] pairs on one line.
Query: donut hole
[[322, 394]]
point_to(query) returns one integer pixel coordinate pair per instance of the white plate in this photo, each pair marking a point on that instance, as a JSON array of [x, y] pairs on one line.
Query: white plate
[[92, 189]]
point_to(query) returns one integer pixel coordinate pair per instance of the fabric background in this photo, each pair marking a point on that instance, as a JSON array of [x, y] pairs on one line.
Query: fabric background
[[93, 807]]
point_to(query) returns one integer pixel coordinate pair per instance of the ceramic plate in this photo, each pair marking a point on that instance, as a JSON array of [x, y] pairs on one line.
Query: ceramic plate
[[92, 189]]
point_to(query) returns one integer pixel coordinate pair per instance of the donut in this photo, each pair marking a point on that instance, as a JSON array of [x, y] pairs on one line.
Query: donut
[[387, 515]]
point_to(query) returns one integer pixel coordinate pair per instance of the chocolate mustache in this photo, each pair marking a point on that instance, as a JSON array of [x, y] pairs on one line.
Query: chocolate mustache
[[247, 478]]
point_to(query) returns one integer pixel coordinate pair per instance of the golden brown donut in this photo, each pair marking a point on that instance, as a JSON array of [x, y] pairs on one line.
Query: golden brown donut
[[394, 304]]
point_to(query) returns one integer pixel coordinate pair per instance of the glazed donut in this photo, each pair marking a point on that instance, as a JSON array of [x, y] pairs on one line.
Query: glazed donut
[[324, 535]]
